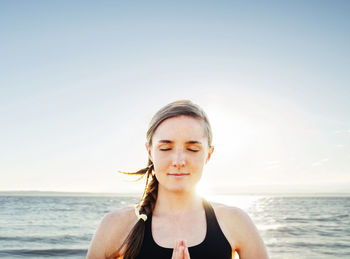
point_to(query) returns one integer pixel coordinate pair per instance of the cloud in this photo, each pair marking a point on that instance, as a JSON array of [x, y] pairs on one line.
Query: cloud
[[342, 131], [320, 162], [272, 165], [272, 162]]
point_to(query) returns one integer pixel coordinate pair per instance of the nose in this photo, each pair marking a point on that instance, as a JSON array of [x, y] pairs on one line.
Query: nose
[[178, 159]]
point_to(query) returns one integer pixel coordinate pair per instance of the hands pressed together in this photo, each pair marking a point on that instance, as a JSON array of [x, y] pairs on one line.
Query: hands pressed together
[[181, 250]]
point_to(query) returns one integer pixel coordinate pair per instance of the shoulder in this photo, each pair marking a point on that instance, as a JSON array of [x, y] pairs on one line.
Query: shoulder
[[111, 232], [232, 221], [116, 217], [239, 230], [231, 215], [227, 210]]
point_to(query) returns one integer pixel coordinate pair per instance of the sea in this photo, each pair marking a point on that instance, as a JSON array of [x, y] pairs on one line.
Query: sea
[[62, 225]]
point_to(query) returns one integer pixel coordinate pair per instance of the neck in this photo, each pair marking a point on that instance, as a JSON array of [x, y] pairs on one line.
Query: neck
[[176, 203]]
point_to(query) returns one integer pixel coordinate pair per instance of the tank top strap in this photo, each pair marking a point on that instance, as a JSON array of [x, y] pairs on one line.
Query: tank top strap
[[215, 237], [212, 223]]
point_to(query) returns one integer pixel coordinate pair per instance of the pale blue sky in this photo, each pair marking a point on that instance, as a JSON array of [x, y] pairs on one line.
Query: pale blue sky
[[80, 81]]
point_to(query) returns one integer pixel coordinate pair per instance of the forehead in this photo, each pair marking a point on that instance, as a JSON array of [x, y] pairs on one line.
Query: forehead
[[180, 127]]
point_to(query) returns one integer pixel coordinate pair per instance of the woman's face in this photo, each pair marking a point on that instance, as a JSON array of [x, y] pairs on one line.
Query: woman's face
[[179, 151]]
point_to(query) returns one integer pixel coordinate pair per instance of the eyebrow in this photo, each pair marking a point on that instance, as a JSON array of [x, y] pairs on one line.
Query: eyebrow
[[187, 142]]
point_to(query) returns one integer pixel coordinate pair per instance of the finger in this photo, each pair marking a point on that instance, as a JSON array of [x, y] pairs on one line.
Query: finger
[[186, 252], [181, 251], [177, 245], [175, 255], [174, 251]]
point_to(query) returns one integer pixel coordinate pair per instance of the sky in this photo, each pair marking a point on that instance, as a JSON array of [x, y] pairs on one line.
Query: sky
[[80, 81]]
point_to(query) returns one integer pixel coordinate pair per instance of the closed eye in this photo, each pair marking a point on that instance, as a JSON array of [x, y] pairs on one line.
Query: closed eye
[[167, 149]]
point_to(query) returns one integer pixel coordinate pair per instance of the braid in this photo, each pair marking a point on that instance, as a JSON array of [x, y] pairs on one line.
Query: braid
[[133, 242], [149, 200]]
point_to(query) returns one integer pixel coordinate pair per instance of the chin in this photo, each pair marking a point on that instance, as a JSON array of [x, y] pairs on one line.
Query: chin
[[181, 189]]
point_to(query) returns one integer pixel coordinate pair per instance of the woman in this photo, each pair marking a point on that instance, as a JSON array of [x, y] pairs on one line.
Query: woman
[[171, 221]]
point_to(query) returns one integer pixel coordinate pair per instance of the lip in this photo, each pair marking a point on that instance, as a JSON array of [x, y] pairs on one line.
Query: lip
[[179, 174]]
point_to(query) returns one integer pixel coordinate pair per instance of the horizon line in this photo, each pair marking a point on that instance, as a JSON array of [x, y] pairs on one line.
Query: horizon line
[[80, 193]]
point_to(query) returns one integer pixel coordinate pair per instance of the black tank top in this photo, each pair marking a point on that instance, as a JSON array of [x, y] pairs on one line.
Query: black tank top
[[214, 245]]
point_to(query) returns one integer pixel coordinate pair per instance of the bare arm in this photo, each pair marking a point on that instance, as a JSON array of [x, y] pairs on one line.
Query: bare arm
[[111, 233], [249, 244]]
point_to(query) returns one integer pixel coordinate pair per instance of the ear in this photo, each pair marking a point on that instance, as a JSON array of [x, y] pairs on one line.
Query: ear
[[149, 152], [211, 150]]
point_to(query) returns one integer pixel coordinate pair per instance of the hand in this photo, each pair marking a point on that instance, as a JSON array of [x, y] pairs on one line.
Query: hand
[[181, 250]]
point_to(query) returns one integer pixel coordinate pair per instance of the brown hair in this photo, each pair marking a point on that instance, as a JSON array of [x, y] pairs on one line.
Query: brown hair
[[134, 240]]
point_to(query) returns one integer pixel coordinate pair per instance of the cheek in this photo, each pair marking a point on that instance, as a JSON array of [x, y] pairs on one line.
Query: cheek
[[200, 157], [160, 160], [159, 156]]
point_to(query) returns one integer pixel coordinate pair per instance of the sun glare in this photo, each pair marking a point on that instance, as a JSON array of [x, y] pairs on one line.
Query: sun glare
[[203, 190], [234, 134]]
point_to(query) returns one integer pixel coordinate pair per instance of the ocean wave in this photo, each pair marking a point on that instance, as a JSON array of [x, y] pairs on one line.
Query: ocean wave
[[270, 227], [47, 239], [42, 252], [321, 245], [296, 219], [332, 218], [322, 219]]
